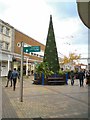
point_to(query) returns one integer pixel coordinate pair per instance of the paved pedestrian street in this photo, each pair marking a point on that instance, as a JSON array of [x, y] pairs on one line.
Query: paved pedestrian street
[[45, 101]]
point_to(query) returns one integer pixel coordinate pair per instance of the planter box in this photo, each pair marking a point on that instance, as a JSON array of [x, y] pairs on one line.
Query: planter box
[[37, 79], [88, 80], [53, 79]]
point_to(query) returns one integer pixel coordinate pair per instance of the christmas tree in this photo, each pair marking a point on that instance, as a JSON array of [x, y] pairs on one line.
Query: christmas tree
[[50, 54]]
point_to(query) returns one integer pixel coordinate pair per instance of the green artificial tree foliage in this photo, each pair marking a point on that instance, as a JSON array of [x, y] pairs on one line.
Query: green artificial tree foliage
[[50, 54]]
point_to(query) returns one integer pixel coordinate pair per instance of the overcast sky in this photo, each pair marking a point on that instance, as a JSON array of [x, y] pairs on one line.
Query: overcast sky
[[32, 18]]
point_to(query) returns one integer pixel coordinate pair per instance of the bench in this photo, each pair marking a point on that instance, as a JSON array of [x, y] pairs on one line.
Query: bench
[[55, 80], [52, 78]]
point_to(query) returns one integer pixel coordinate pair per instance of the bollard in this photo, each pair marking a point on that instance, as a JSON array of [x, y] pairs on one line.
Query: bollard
[[66, 78], [42, 78], [34, 76]]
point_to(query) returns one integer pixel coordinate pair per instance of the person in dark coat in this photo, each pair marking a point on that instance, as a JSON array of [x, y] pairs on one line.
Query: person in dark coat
[[81, 76], [9, 78], [32, 72], [72, 77], [14, 77], [88, 78]]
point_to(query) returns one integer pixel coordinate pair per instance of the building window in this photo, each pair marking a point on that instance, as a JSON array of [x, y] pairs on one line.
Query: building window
[[1, 28], [41, 56], [1, 44], [35, 54], [31, 53], [6, 46], [7, 31]]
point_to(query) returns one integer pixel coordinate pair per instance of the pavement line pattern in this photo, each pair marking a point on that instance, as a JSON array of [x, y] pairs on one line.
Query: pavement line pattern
[[7, 108], [68, 95]]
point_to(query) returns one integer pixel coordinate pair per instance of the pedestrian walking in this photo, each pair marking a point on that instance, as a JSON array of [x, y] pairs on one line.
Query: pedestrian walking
[[19, 75], [14, 77], [81, 76], [72, 77], [9, 78], [32, 72], [88, 78]]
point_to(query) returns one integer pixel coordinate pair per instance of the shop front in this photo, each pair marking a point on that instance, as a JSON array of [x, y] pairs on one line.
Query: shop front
[[5, 64]]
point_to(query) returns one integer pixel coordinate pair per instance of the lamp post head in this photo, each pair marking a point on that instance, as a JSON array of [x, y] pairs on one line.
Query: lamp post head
[[83, 11]]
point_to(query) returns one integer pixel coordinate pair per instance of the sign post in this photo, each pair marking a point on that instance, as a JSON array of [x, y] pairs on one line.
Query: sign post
[[26, 50]]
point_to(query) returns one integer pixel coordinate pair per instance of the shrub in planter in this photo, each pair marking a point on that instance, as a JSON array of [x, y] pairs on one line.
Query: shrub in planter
[[60, 72], [42, 68]]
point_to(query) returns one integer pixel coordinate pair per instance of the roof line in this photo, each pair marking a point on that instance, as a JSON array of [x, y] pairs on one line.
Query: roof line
[[19, 31]]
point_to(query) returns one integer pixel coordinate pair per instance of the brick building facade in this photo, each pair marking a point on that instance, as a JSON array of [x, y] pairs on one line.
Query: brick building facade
[[30, 59]]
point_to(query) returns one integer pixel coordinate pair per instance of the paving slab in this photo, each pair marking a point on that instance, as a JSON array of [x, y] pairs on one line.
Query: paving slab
[[49, 101]]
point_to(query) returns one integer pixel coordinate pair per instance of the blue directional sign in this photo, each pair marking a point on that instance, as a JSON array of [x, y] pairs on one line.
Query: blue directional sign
[[31, 49]]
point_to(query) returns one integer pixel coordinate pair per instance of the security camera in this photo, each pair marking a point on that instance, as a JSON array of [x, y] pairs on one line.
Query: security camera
[[19, 44]]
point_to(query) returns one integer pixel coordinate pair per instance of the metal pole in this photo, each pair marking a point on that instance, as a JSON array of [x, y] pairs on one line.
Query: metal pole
[[21, 81], [27, 67]]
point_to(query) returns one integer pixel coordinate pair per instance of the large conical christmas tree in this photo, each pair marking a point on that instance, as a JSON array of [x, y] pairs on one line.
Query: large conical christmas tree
[[50, 54]]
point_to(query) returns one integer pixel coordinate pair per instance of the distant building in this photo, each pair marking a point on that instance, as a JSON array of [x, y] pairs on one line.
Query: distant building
[[81, 66], [69, 66], [6, 47], [10, 50]]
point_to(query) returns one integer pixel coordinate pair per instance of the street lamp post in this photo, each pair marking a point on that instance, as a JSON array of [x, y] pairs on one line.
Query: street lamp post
[[84, 11], [21, 81]]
